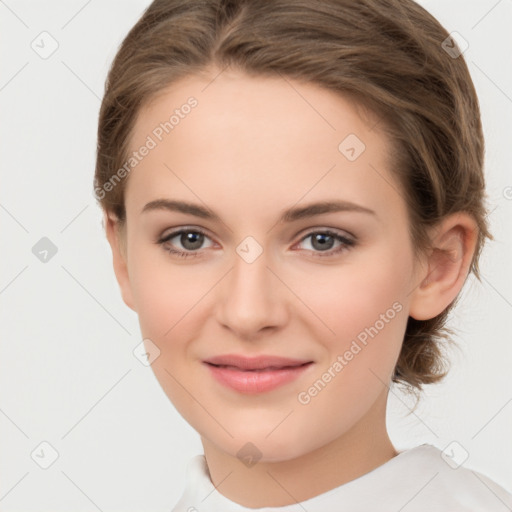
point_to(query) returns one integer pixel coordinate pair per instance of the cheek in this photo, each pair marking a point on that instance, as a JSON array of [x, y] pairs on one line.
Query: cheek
[[367, 311], [355, 296], [168, 300], [364, 310], [165, 294]]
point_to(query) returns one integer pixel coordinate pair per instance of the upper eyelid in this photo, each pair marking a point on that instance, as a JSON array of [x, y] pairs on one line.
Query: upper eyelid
[[335, 231], [185, 229]]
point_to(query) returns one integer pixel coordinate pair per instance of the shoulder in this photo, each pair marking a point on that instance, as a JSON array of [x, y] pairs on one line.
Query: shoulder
[[440, 482]]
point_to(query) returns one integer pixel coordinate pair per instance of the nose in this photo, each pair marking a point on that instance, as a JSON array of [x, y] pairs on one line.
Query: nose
[[251, 299]]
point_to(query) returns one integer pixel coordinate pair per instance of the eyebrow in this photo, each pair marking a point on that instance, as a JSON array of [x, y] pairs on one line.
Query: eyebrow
[[289, 215]]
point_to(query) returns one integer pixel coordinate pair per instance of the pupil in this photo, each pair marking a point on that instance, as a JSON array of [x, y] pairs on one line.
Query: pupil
[[192, 240], [320, 238]]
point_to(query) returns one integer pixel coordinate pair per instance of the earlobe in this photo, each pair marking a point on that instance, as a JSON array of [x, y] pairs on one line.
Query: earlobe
[[119, 259], [448, 263]]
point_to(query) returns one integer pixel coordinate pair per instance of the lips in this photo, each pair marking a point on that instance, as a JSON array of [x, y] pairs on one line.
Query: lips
[[255, 375], [262, 363]]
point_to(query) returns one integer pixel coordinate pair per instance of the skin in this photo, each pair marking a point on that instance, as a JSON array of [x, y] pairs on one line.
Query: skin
[[253, 147]]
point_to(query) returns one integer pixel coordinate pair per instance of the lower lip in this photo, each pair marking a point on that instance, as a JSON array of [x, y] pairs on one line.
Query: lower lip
[[256, 381]]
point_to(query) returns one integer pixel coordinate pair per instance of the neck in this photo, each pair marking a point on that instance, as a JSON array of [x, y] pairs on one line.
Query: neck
[[274, 484]]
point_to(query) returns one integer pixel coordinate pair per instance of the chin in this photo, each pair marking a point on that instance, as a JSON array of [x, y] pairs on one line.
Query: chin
[[264, 451], [257, 445]]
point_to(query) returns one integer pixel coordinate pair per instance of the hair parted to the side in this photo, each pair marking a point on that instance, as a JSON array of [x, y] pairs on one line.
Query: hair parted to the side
[[386, 54]]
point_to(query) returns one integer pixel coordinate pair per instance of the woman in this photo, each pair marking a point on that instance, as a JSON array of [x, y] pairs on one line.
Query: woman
[[294, 197]]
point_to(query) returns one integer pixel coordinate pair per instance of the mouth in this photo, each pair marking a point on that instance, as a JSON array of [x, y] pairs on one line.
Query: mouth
[[247, 379]]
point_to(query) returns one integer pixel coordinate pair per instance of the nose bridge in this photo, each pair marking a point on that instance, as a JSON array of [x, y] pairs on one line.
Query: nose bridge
[[250, 298], [250, 274]]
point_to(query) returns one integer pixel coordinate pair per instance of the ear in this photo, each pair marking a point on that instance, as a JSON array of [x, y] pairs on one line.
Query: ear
[[119, 256], [447, 266]]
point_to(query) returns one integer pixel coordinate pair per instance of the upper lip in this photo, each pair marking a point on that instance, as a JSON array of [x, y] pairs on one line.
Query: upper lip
[[255, 363]]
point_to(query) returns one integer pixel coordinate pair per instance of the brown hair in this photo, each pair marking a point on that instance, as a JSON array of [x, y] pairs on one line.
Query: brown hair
[[389, 54]]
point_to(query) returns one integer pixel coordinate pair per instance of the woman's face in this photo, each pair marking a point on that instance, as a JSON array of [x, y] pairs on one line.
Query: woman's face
[[271, 274]]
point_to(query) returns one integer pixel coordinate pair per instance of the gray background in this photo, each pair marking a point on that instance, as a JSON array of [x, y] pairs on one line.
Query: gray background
[[68, 375]]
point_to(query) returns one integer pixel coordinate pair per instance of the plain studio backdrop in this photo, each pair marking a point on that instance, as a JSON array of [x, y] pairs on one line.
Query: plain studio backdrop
[[112, 440]]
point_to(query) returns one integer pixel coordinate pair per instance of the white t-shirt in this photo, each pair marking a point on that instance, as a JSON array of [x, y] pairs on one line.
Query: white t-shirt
[[415, 480]]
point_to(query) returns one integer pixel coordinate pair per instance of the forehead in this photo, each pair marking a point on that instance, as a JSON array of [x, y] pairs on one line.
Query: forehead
[[249, 137], [268, 106]]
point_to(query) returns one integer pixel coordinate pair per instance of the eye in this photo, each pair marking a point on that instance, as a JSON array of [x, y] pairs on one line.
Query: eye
[[323, 241], [191, 241]]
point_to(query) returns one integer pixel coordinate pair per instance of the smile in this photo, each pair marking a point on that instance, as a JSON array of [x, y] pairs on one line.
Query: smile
[[253, 381]]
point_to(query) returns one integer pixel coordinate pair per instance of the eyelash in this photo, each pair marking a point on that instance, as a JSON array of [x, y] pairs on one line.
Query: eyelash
[[347, 243]]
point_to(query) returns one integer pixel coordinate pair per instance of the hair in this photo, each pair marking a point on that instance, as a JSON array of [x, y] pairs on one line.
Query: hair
[[389, 55]]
